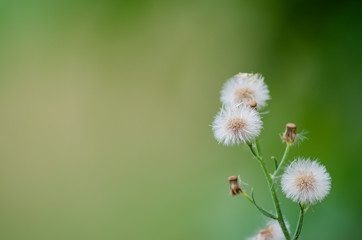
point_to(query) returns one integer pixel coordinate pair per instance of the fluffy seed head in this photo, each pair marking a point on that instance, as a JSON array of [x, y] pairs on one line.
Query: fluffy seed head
[[236, 125], [272, 232], [244, 87], [306, 181]]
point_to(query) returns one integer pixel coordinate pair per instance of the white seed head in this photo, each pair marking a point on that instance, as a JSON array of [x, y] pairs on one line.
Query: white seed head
[[272, 232], [244, 87], [236, 125], [306, 181]]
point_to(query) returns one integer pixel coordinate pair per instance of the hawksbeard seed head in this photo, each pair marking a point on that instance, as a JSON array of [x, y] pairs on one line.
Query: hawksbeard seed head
[[243, 94], [305, 182], [235, 125], [267, 233]]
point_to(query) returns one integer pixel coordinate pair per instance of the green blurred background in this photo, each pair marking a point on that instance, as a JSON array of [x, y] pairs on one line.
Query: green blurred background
[[106, 109]]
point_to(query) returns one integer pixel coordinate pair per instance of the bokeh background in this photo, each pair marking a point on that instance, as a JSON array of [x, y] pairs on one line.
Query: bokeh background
[[106, 109]]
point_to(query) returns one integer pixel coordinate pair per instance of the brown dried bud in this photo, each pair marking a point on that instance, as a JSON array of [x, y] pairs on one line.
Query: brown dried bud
[[251, 104], [290, 133], [235, 188]]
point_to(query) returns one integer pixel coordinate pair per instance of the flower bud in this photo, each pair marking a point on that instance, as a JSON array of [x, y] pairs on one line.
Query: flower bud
[[235, 188], [290, 133], [251, 104]]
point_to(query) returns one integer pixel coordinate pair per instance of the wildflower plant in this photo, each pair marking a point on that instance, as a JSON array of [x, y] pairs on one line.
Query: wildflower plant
[[304, 181]]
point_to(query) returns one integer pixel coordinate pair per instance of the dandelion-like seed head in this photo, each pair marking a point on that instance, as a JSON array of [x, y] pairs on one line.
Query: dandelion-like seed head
[[306, 181], [244, 93], [272, 232], [244, 87], [236, 125]]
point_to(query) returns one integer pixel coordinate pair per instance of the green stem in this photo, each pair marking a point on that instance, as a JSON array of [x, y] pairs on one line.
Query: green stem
[[258, 147], [300, 222], [253, 151], [273, 193], [261, 161], [280, 214], [262, 210], [282, 161], [275, 162]]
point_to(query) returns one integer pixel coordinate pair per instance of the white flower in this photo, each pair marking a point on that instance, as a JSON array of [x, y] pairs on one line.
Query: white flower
[[306, 181], [273, 232], [236, 125], [244, 87]]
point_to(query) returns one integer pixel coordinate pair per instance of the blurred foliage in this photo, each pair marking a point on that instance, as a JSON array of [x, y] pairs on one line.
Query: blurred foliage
[[106, 107]]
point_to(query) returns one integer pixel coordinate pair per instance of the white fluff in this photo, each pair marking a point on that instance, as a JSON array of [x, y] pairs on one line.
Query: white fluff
[[236, 125], [244, 87], [306, 181], [272, 232]]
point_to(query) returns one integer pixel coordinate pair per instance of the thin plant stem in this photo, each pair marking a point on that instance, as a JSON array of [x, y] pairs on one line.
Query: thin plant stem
[[282, 161], [262, 210], [258, 147], [273, 193], [300, 222], [280, 214], [275, 162]]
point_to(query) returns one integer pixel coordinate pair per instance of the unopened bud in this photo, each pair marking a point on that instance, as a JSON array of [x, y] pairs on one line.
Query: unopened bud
[[235, 188], [251, 104], [290, 133]]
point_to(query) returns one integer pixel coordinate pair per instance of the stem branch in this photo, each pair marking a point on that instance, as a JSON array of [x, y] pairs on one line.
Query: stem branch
[[262, 210], [282, 161], [272, 191], [258, 147], [300, 222]]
